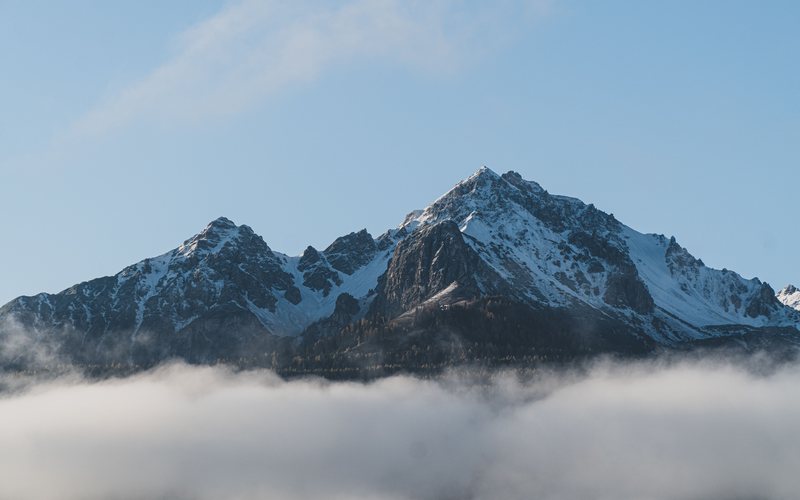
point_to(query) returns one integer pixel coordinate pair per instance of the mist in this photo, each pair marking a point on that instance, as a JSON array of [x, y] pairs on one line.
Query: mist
[[617, 431]]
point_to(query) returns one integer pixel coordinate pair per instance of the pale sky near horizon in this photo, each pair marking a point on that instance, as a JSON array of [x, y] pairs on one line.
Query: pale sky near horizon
[[127, 126]]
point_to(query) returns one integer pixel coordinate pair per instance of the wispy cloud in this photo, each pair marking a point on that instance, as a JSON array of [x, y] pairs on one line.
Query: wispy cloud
[[677, 432], [21, 346], [253, 48]]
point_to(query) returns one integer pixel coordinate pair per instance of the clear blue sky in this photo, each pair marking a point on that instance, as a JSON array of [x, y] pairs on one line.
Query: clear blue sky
[[127, 126]]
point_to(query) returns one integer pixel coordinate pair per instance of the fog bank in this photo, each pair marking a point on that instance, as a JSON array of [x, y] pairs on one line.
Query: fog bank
[[642, 431]]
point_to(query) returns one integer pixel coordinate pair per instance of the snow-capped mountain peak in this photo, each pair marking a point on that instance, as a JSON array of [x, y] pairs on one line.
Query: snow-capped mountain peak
[[490, 238], [790, 296], [557, 250], [215, 236]]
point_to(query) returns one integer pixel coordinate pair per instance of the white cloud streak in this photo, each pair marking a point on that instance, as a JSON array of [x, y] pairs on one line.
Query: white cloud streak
[[682, 432], [254, 48]]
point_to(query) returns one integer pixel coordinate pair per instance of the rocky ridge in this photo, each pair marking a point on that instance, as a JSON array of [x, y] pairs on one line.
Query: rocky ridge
[[790, 296], [551, 274]]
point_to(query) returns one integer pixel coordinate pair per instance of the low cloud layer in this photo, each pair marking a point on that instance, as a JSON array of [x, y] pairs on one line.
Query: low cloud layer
[[620, 432]]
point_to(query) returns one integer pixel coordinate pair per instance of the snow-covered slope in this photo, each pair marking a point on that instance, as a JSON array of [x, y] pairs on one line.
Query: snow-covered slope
[[790, 296], [557, 250]]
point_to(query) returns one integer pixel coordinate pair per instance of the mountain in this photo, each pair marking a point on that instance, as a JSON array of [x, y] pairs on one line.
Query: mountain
[[497, 269], [790, 296]]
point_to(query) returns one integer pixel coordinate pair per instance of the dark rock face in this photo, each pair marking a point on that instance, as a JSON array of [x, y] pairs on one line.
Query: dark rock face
[[348, 253], [624, 288], [601, 247], [317, 274], [763, 302], [346, 310], [426, 263], [346, 306], [309, 259]]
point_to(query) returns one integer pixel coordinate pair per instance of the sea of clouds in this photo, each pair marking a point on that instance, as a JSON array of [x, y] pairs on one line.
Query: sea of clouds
[[687, 430]]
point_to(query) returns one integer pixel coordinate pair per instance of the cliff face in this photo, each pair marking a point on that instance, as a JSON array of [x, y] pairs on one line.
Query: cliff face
[[433, 260]]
